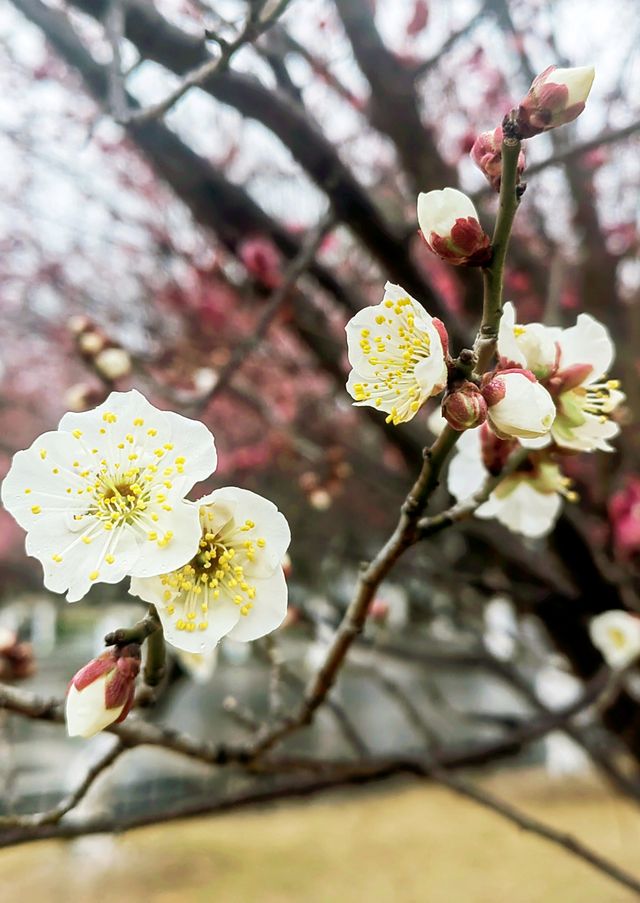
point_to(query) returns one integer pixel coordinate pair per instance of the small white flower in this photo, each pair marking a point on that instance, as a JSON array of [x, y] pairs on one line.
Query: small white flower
[[525, 410], [234, 584], [526, 502], [532, 346], [574, 371], [616, 634], [103, 496], [397, 356]]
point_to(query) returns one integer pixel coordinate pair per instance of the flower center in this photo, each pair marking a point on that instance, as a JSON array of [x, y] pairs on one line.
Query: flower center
[[217, 569], [393, 352], [617, 637], [597, 398], [117, 502]]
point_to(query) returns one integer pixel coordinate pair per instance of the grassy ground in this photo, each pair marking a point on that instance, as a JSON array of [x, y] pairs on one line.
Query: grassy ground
[[406, 844]]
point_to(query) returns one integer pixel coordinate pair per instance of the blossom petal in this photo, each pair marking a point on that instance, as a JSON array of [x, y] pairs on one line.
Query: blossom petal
[[524, 510], [159, 557], [86, 712], [40, 481], [466, 472], [588, 342], [75, 561], [588, 436], [268, 612], [270, 526]]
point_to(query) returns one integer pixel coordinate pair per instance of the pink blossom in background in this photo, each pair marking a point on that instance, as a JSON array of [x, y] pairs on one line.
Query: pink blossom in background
[[624, 516]]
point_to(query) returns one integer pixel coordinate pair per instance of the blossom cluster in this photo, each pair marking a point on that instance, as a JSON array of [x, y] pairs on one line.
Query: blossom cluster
[[548, 395], [103, 498]]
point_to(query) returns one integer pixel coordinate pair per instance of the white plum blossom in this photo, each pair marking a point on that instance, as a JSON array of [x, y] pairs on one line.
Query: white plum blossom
[[397, 355], [233, 585], [519, 406], [616, 634], [572, 364], [103, 496], [527, 501], [532, 345]]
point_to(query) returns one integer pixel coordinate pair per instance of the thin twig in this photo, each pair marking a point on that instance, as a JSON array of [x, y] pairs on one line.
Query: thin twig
[[493, 275], [301, 262], [428, 526], [534, 826], [427, 65], [53, 815], [254, 27]]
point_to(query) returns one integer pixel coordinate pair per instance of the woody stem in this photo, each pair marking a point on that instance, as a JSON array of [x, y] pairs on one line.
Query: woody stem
[[493, 275]]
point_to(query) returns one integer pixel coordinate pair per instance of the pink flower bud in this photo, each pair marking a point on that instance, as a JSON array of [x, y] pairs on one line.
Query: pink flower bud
[[556, 96], [102, 692], [465, 408], [262, 260], [486, 153], [450, 226]]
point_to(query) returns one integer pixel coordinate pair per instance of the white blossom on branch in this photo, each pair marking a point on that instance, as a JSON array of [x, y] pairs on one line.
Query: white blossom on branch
[[234, 584], [397, 352], [103, 496]]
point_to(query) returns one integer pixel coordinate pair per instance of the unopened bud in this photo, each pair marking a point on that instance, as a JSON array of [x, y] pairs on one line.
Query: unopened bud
[[78, 324], [465, 408], [113, 363], [486, 153], [91, 342], [102, 692], [450, 226], [556, 96]]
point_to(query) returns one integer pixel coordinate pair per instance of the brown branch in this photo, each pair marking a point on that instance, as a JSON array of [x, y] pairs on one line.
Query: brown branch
[[371, 577], [429, 526], [53, 815], [426, 66], [253, 28]]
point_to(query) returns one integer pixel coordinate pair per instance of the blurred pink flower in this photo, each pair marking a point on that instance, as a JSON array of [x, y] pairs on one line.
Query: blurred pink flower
[[624, 515]]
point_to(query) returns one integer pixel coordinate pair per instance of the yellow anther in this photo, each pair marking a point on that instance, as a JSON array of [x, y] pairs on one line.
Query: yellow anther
[[36, 509], [94, 575], [76, 434], [109, 559], [87, 540], [57, 558], [43, 453]]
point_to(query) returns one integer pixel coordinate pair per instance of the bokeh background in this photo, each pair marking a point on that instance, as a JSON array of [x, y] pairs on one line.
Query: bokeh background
[[149, 256]]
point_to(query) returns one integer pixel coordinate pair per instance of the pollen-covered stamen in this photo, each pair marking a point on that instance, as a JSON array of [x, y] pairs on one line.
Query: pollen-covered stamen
[[218, 569], [598, 398], [393, 351]]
